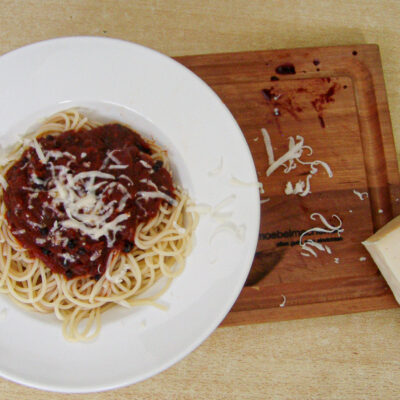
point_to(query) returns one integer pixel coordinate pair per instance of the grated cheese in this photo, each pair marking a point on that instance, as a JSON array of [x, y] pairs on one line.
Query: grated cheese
[[95, 255], [283, 301], [56, 154], [361, 195], [329, 228], [299, 187], [289, 188], [86, 210], [314, 169], [93, 175], [149, 182], [268, 146], [306, 247], [145, 164], [111, 156], [39, 151], [317, 245], [227, 201], [237, 182], [218, 170], [266, 200], [3, 182], [156, 195], [179, 228], [307, 189], [229, 226], [3, 314], [289, 160], [293, 153], [36, 180], [19, 232], [200, 209], [34, 224], [117, 278], [222, 216], [127, 178], [117, 166], [100, 229], [67, 257], [123, 201], [363, 258]]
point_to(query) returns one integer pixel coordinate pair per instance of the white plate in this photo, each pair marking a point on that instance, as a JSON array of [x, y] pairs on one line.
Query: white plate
[[160, 98]]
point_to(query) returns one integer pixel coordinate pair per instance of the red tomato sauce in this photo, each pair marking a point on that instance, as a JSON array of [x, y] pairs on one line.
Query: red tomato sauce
[[36, 215]]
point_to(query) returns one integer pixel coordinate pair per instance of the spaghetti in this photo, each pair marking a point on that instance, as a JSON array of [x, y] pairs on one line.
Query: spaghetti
[[110, 224]]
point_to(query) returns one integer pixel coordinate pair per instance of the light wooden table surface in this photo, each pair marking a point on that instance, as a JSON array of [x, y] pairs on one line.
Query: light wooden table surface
[[345, 357]]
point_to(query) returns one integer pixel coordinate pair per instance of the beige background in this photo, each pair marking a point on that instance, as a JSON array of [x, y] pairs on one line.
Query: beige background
[[345, 357]]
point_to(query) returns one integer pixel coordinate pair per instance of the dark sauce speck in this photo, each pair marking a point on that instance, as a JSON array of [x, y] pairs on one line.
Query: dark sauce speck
[[71, 243], [285, 69], [316, 62], [44, 231], [128, 246], [157, 165], [274, 78], [69, 274], [39, 186], [354, 52], [267, 93], [143, 149]]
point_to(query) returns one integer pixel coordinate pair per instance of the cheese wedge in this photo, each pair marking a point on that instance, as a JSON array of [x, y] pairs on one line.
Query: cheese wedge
[[384, 247]]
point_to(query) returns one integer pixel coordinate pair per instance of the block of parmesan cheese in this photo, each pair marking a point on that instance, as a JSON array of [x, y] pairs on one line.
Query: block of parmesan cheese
[[384, 247]]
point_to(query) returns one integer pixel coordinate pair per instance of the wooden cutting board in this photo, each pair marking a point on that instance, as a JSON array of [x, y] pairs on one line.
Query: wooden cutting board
[[335, 98]]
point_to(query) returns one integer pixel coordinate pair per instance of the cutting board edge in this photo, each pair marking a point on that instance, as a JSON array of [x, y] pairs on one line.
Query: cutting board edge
[[314, 310], [263, 51]]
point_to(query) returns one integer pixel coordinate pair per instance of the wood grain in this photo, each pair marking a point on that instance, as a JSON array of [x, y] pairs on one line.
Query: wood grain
[[335, 98]]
